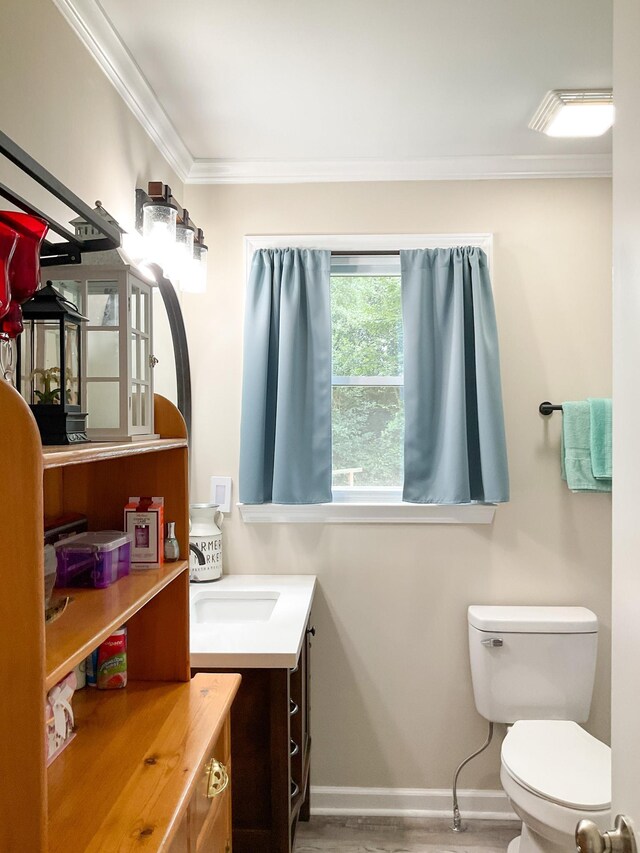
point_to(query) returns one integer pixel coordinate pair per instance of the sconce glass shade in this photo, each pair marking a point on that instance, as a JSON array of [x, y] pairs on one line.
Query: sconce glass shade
[[196, 282], [183, 256], [159, 232]]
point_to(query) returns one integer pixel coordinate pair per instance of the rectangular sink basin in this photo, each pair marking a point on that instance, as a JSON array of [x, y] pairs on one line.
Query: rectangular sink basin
[[218, 606]]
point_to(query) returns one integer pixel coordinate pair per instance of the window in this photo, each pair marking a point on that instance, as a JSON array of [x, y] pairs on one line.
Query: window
[[367, 392]]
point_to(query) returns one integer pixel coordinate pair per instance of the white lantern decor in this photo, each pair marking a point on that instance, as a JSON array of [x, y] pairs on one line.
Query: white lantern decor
[[117, 340]]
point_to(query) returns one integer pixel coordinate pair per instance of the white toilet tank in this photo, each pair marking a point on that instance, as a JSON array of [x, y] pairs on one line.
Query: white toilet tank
[[532, 663]]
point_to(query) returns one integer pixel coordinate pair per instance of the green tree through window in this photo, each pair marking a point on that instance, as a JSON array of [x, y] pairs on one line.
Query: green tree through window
[[367, 401]]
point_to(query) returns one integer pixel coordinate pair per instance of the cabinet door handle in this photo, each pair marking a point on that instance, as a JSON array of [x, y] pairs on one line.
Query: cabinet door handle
[[295, 790], [294, 669], [217, 778], [295, 749], [312, 630], [293, 708]]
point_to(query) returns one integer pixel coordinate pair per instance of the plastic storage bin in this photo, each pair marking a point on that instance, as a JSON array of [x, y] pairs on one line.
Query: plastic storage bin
[[97, 558]]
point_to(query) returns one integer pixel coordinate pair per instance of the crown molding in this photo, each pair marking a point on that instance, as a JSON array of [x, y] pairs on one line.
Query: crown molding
[[427, 169], [91, 24]]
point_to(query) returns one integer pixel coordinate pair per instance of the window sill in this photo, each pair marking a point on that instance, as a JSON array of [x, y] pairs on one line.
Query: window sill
[[367, 513]]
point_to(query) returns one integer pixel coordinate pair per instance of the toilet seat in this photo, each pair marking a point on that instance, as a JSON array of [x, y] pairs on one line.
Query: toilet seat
[[560, 762]]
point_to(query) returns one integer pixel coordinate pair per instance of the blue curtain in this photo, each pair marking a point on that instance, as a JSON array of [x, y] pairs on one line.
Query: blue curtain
[[454, 427], [285, 436]]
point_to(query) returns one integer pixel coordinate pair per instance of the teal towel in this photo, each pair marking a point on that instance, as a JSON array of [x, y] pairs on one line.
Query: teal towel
[[576, 449], [601, 423]]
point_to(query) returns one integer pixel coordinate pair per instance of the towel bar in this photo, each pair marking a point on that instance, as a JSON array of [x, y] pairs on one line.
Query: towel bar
[[548, 408]]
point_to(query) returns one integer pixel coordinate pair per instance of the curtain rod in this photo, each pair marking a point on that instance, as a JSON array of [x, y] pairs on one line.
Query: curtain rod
[[365, 253]]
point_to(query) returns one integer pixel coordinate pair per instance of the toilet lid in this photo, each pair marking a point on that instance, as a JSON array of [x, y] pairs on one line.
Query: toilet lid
[[561, 762]]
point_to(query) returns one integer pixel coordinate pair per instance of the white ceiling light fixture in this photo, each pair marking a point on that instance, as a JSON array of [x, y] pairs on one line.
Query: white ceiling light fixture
[[574, 113]]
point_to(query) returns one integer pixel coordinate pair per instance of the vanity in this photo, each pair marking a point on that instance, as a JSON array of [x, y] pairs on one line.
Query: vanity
[[258, 626]]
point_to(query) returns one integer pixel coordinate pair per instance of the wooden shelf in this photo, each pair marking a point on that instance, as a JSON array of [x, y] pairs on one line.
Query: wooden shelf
[[99, 451], [123, 781], [94, 614]]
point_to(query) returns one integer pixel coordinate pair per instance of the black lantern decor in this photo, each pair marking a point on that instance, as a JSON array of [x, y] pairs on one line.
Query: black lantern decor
[[49, 374]]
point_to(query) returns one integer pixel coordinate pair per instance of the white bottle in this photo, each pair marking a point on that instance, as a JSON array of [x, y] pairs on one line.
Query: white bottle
[[205, 543]]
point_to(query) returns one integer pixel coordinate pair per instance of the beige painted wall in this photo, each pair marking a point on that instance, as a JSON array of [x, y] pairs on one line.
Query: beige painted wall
[[56, 103], [392, 700]]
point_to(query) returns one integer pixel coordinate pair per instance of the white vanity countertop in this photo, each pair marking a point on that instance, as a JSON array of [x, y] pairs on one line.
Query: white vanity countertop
[[243, 643]]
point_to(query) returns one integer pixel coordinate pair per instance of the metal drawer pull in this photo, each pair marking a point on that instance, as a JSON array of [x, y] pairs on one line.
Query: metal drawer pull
[[294, 669], [295, 749], [295, 790], [217, 778], [493, 643], [312, 630], [293, 708]]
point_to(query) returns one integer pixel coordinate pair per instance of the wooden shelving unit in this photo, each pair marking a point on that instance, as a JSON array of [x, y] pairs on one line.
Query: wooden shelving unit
[[61, 457], [97, 613], [129, 780]]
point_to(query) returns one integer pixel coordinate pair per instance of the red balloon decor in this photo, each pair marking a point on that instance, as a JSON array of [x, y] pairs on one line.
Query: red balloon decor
[[11, 324], [19, 266], [8, 238]]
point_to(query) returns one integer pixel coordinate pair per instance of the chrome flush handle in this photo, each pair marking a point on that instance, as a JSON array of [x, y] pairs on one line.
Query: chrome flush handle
[[589, 839], [493, 643]]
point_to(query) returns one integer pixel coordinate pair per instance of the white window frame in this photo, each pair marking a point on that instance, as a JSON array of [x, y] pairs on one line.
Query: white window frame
[[368, 505]]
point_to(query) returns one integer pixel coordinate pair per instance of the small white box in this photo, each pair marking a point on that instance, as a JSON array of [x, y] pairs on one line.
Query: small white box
[[220, 493]]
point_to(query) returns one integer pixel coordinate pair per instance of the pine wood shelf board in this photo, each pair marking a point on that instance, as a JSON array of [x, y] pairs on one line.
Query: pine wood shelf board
[[99, 451], [94, 614], [134, 763]]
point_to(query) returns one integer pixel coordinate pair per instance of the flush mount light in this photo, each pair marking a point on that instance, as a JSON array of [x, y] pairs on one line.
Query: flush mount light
[[574, 112]]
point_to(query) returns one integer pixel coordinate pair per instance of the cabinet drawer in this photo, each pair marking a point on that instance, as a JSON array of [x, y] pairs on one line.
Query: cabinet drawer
[[212, 795]]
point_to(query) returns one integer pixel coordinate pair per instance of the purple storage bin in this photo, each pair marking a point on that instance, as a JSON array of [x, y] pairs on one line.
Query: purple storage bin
[[97, 558]]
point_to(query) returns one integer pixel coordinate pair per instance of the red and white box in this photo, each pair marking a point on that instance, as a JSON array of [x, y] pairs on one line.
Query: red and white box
[[144, 520]]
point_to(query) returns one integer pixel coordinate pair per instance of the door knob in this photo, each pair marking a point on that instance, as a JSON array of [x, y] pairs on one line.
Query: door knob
[[589, 839]]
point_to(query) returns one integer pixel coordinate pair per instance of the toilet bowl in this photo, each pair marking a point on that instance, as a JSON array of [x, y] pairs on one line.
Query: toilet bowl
[[554, 774]]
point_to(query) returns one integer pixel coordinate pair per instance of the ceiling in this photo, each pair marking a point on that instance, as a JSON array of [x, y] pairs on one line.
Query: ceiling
[[270, 88]]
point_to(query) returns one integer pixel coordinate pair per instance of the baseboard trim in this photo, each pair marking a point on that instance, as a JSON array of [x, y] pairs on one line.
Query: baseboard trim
[[409, 802]]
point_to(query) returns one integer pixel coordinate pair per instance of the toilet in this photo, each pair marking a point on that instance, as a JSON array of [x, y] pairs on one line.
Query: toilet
[[533, 668]]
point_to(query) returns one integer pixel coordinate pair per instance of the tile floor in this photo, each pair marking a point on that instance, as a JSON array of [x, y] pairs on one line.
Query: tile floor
[[402, 835]]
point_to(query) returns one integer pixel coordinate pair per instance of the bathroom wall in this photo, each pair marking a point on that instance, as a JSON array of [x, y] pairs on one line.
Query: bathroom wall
[[391, 693], [57, 104]]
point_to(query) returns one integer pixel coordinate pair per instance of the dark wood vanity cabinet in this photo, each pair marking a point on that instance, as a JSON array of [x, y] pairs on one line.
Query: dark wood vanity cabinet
[[271, 748]]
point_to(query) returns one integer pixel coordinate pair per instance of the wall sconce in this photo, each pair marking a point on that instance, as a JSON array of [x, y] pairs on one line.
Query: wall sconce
[[171, 239], [159, 227], [196, 282], [183, 255]]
